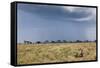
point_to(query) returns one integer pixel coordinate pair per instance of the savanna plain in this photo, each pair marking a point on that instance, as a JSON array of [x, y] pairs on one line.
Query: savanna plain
[[55, 52]]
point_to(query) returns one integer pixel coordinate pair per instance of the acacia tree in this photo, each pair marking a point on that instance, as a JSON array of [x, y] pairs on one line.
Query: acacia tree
[[70, 41], [86, 41], [27, 42], [58, 41], [78, 41], [64, 41], [30, 42], [46, 41], [52, 41], [38, 42]]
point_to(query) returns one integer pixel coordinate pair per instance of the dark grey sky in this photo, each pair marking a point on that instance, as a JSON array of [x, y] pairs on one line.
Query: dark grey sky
[[49, 22]]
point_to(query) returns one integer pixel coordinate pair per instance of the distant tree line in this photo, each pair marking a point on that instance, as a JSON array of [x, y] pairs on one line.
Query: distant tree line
[[57, 41]]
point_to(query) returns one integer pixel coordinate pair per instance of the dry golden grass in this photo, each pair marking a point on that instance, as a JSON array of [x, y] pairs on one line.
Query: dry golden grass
[[55, 52]]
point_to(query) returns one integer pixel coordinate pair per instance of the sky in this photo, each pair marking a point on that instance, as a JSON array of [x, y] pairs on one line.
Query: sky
[[49, 22]]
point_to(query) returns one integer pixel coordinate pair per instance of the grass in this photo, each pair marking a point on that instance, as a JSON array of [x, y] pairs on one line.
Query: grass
[[55, 52]]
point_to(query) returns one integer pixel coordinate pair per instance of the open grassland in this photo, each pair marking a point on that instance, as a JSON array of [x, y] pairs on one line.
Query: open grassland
[[55, 52]]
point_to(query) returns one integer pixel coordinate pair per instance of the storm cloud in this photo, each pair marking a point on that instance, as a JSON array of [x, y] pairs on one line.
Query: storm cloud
[[49, 22]]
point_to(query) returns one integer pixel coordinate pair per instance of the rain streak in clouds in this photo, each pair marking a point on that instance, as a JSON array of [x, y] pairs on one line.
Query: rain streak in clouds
[[49, 22]]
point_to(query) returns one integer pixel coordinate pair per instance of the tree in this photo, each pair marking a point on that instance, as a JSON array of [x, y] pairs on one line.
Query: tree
[[58, 41], [78, 41], [64, 41], [30, 42], [70, 41], [38, 42], [52, 41], [27, 42], [86, 41], [46, 41]]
